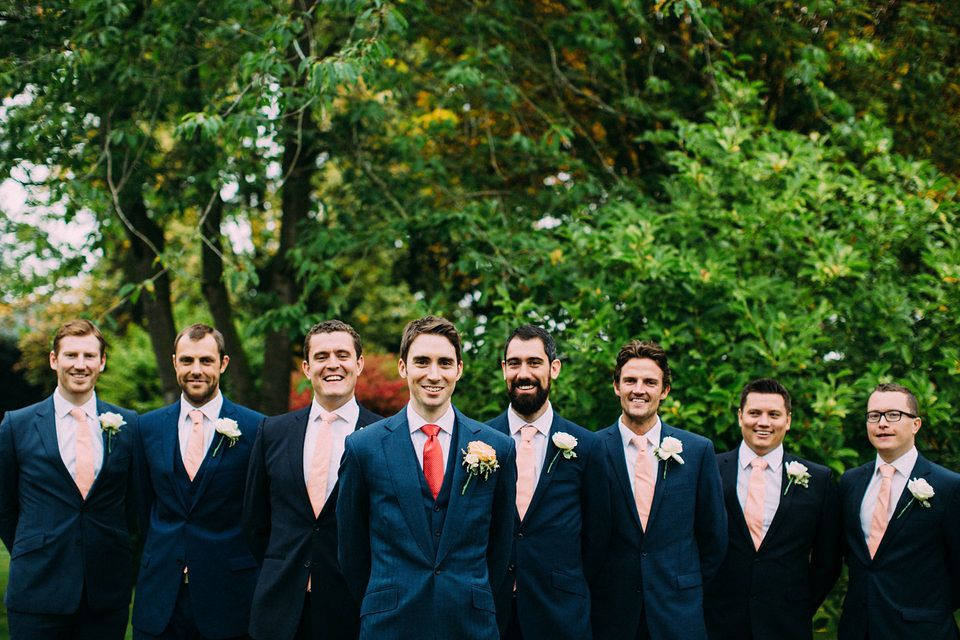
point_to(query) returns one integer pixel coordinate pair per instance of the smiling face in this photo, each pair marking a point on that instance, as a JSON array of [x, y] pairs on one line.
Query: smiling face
[[764, 421], [332, 366], [431, 370], [641, 390], [891, 439], [198, 366], [528, 373], [78, 362]]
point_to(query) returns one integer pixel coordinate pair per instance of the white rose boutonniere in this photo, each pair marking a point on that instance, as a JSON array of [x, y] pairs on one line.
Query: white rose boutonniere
[[480, 459], [564, 442], [228, 430], [921, 491], [670, 449], [797, 474], [110, 423]]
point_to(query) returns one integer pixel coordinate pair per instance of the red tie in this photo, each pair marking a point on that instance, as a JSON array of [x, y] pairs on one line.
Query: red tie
[[432, 459]]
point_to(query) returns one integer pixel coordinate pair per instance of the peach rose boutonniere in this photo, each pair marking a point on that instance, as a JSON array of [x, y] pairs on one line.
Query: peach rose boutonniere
[[229, 430], [565, 443], [480, 459], [921, 491], [110, 424], [670, 449]]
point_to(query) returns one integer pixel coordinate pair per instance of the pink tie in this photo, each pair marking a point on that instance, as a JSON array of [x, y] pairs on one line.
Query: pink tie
[[644, 481], [756, 491], [526, 461], [320, 464], [194, 457], [432, 459], [84, 453], [879, 522]]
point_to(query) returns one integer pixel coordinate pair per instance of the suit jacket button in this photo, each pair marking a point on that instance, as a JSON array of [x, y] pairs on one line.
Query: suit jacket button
[[520, 536], [512, 568], [436, 571], [437, 533], [436, 507], [307, 564]]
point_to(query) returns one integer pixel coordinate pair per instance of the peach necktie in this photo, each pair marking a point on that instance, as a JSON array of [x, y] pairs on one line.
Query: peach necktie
[[84, 453], [644, 481], [878, 525], [320, 463], [756, 491], [194, 457], [526, 461]]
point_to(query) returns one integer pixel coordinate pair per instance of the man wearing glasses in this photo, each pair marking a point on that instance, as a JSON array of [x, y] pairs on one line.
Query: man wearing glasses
[[901, 519]]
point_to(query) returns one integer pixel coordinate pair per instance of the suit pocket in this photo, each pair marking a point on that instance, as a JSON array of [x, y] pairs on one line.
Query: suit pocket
[[377, 601], [689, 580], [569, 583], [26, 545], [483, 599], [923, 615]]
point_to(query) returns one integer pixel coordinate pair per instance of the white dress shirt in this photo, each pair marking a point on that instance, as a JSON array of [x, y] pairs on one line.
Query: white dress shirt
[[419, 438], [346, 422], [773, 479], [67, 432], [631, 451], [210, 411], [540, 438], [903, 466]]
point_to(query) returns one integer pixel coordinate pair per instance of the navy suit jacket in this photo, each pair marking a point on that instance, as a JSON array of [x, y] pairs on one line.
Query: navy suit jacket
[[194, 524], [59, 543], [560, 543], [415, 583], [659, 574], [288, 540], [772, 593], [911, 587]]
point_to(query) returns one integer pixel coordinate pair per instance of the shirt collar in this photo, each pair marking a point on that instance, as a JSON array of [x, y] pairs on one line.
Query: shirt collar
[[62, 406], [543, 423], [652, 436], [210, 410], [415, 420], [349, 411], [903, 464], [774, 458]]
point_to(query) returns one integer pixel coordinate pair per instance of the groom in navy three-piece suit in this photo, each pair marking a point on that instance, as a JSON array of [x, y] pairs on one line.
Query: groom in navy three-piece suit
[[71, 566], [423, 544], [561, 524], [197, 574], [663, 546], [904, 561]]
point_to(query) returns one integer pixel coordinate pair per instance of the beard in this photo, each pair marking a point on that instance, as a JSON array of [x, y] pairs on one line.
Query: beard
[[527, 404]]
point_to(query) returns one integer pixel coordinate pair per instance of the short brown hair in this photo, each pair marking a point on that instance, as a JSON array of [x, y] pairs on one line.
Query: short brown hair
[[198, 331], [432, 325], [332, 326], [78, 327], [912, 403], [642, 349]]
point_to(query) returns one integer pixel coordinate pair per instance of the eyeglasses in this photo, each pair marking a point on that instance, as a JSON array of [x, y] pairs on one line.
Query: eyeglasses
[[892, 415]]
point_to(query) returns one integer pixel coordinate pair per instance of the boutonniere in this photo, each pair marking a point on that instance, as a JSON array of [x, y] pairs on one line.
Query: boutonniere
[[921, 491], [797, 474], [564, 442], [228, 430], [480, 459], [110, 423], [670, 449]]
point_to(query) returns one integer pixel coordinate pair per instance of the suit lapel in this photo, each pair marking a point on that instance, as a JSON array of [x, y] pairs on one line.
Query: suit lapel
[[920, 469], [851, 510], [543, 483], [296, 433], [618, 461], [170, 451], [221, 445], [662, 478], [45, 423], [401, 459], [785, 501], [456, 518], [729, 469]]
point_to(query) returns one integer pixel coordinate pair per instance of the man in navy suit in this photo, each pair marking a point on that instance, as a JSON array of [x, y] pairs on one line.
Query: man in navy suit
[[901, 524], [196, 573], [561, 523], [426, 505], [291, 524], [65, 508], [669, 523], [783, 518]]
